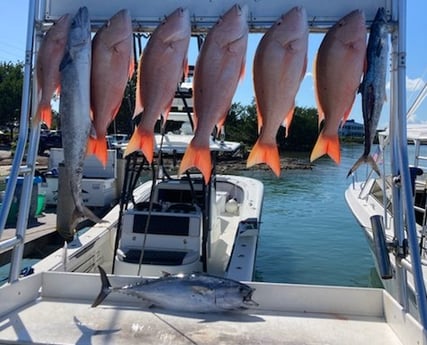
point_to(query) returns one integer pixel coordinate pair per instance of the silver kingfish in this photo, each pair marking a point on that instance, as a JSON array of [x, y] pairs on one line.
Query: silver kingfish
[[74, 109], [195, 292], [373, 86]]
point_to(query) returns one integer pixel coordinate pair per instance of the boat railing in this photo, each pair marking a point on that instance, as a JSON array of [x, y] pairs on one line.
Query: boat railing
[[23, 149]]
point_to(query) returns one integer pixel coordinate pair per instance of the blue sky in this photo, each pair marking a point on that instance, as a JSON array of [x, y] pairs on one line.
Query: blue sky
[[13, 28]]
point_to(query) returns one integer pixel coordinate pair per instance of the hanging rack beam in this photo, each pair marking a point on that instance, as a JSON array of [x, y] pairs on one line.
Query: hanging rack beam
[[147, 15]]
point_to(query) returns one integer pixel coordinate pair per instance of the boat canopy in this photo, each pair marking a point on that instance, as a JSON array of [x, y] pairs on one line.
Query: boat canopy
[[146, 15]]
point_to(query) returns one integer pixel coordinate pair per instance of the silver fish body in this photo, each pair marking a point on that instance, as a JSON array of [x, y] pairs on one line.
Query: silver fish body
[[74, 109], [195, 292], [373, 86]]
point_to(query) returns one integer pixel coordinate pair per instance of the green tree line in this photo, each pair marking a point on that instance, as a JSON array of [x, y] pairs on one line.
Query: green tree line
[[11, 79], [241, 123]]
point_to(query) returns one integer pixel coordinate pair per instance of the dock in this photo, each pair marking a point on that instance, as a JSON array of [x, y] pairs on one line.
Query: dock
[[41, 237], [41, 226]]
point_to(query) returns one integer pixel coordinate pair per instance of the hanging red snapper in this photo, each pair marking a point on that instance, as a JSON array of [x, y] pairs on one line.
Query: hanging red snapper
[[112, 65], [279, 66], [49, 57], [219, 67], [338, 70], [162, 65]]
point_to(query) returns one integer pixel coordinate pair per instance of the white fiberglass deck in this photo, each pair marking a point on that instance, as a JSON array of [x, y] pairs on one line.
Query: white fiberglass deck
[[54, 308]]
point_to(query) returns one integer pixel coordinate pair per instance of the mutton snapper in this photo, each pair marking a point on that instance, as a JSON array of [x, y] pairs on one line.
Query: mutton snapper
[[161, 67], [373, 86], [279, 66], [49, 57], [112, 66], [195, 292], [338, 71], [219, 66], [74, 108]]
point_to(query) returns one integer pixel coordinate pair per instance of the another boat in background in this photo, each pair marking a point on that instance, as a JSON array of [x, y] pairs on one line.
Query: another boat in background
[[372, 200]]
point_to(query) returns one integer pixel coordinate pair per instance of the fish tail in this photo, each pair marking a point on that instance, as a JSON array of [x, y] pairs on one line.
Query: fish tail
[[198, 157], [98, 147], [43, 114], [265, 153], [105, 288], [329, 145], [83, 212], [368, 159], [141, 140]]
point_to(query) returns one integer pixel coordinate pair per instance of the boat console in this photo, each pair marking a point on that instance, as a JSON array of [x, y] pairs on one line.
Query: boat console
[[165, 234]]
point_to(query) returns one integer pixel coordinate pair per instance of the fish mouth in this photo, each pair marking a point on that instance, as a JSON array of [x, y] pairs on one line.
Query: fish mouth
[[82, 16], [182, 11], [242, 10]]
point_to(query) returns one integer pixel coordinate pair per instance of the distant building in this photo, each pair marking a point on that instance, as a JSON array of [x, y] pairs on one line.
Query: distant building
[[353, 129]]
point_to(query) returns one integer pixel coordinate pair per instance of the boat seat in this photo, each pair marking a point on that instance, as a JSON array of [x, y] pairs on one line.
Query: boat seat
[[145, 206], [182, 208], [160, 257], [173, 232]]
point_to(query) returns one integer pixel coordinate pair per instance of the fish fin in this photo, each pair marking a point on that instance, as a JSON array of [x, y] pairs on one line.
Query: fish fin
[[365, 159], [259, 118], [84, 213], [329, 145], [365, 64], [57, 91], [265, 153], [198, 157], [138, 99], [202, 290], [288, 120], [165, 113], [43, 114], [105, 288], [304, 68], [166, 274], [98, 147], [142, 140], [185, 68], [347, 113], [66, 60], [131, 66], [242, 70], [220, 124], [320, 112]]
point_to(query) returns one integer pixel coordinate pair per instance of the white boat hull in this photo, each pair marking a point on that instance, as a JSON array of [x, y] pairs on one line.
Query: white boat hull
[[233, 237], [363, 206]]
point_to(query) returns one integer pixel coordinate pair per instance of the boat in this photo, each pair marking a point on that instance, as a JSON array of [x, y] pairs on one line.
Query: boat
[[52, 306], [175, 225], [371, 201], [101, 186]]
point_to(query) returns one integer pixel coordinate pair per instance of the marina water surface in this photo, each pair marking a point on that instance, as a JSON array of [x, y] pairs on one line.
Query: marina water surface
[[308, 234]]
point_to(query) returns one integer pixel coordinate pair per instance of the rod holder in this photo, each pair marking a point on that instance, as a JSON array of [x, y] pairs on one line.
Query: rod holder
[[380, 247]]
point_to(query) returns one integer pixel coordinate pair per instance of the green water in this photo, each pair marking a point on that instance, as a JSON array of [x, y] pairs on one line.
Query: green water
[[308, 234]]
